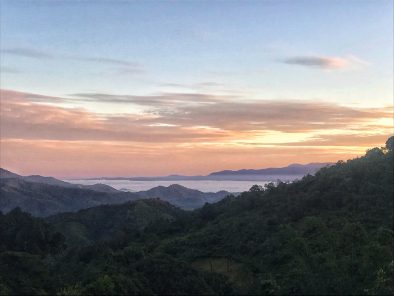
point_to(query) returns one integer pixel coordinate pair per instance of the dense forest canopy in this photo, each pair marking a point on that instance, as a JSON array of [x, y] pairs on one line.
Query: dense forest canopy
[[329, 233]]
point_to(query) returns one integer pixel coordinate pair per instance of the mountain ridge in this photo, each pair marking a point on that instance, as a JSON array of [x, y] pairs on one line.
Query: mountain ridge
[[44, 196], [291, 169], [288, 173]]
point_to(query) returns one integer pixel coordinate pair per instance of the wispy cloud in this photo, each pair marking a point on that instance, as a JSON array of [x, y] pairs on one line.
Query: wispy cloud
[[122, 67], [160, 100], [230, 113], [324, 62], [201, 86], [110, 61], [174, 119], [125, 65], [26, 52], [18, 96]]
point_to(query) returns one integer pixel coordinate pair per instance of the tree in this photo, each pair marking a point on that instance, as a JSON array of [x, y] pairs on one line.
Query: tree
[[390, 144], [374, 153], [256, 188]]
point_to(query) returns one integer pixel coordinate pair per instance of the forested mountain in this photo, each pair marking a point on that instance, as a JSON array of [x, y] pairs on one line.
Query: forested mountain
[[183, 197], [331, 233], [108, 221]]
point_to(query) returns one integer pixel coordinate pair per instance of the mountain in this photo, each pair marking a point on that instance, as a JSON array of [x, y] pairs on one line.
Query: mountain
[[288, 173], [4, 174], [293, 169], [327, 234], [183, 197], [42, 199], [108, 221], [43, 196], [7, 174]]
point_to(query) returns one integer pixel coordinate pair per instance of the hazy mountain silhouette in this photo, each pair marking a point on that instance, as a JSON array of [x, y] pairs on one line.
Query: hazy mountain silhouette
[[43, 196], [288, 173], [292, 169], [4, 174]]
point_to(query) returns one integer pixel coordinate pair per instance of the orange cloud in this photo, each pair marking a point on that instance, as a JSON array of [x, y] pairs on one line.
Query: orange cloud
[[181, 135]]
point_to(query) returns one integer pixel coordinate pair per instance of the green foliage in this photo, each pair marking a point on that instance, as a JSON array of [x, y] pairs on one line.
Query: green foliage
[[20, 231], [73, 290], [390, 144]]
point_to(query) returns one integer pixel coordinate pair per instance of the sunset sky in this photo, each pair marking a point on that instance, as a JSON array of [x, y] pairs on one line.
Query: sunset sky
[[127, 88]]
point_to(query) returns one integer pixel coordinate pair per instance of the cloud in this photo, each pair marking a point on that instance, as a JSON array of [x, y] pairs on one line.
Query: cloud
[[7, 95], [284, 116], [110, 61], [177, 118], [23, 116], [323, 62], [154, 101], [234, 113], [27, 52], [199, 87], [126, 66], [180, 135]]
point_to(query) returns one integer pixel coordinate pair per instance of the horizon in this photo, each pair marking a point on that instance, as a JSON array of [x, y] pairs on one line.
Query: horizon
[[159, 176], [120, 88]]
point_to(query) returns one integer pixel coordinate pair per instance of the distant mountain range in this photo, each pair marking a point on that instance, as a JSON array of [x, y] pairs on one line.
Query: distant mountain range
[[293, 169], [288, 173], [44, 196], [4, 174]]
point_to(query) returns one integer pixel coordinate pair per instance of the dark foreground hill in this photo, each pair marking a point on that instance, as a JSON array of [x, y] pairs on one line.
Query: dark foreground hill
[[108, 221], [331, 233]]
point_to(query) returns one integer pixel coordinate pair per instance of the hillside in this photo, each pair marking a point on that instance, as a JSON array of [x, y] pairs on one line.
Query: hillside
[[41, 199], [108, 221], [331, 233], [4, 175], [183, 197], [44, 196]]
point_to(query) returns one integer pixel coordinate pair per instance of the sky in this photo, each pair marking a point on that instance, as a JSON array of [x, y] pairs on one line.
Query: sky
[[148, 88]]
